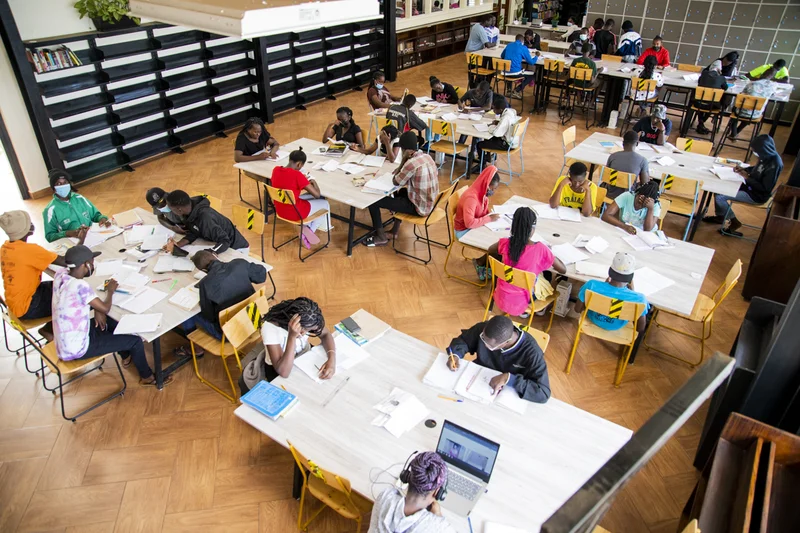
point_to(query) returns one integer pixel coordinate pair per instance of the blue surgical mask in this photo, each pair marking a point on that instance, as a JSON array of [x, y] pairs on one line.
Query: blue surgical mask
[[379, 86], [63, 190], [583, 37], [165, 209]]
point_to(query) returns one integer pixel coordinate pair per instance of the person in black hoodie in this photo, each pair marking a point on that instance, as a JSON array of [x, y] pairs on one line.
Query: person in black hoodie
[[711, 78], [203, 222], [605, 40], [501, 346], [759, 180]]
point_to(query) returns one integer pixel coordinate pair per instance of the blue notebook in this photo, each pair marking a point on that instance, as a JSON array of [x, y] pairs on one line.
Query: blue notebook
[[269, 400]]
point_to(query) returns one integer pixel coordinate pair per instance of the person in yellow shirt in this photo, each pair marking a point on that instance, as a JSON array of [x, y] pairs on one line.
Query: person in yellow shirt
[[570, 190], [22, 263]]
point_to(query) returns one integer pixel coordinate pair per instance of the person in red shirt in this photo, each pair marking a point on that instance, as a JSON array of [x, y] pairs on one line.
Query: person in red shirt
[[308, 199], [661, 54]]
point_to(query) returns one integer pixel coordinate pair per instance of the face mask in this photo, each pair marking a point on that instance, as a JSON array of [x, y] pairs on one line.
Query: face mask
[[379, 86], [91, 269], [165, 209], [63, 190], [489, 192], [583, 37], [569, 24]]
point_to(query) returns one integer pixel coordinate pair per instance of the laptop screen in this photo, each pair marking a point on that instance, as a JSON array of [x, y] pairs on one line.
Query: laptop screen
[[467, 450]]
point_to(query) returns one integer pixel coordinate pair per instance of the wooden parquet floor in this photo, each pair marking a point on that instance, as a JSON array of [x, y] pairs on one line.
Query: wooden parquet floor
[[178, 460]]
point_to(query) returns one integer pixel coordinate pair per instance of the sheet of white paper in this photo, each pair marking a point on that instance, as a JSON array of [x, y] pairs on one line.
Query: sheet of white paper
[[373, 161], [108, 268], [144, 300], [192, 249], [481, 127], [568, 253], [186, 298], [154, 242], [426, 116], [382, 183], [597, 245], [463, 116], [506, 209], [410, 413], [449, 117], [636, 243], [501, 224], [169, 263], [330, 166], [282, 154], [644, 147], [477, 117], [691, 77], [509, 398], [98, 234], [726, 173], [424, 99], [595, 270], [664, 161], [348, 354], [546, 212], [439, 375], [538, 238], [666, 149], [134, 324], [647, 281], [474, 384], [352, 169], [569, 214]]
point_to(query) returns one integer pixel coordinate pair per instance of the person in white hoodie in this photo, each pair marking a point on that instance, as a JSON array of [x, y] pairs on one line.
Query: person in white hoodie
[[418, 511], [630, 44]]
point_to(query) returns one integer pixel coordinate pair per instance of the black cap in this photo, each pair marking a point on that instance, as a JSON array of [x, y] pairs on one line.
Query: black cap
[[155, 195], [78, 255], [56, 174]]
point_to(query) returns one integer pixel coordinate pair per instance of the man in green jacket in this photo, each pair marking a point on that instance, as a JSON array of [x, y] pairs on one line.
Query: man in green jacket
[[68, 214]]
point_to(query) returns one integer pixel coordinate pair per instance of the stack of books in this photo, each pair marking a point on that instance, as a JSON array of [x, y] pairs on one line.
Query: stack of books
[[50, 59]]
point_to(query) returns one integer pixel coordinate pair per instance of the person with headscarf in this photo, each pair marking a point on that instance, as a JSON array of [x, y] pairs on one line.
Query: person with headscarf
[[68, 214], [473, 210], [711, 78], [417, 511], [759, 181]]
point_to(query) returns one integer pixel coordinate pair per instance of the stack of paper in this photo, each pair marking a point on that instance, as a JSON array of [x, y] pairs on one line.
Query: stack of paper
[[140, 233], [568, 253], [595, 245], [399, 412], [726, 173], [506, 209], [127, 219], [134, 324], [348, 354], [169, 263], [114, 267], [129, 280], [481, 127], [664, 161], [98, 234], [595, 270], [569, 214], [647, 281], [381, 185], [187, 298]]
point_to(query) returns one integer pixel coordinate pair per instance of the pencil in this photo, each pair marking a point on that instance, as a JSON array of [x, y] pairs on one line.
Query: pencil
[[452, 357], [450, 399], [284, 388]]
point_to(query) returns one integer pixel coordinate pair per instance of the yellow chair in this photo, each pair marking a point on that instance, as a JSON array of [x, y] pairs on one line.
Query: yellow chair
[[544, 46], [554, 77], [579, 93], [238, 331], [475, 69], [436, 214], [332, 490], [749, 105], [665, 207], [378, 122], [541, 338], [525, 280], [616, 178], [459, 91], [520, 128], [568, 142], [501, 68], [611, 58], [286, 197], [760, 207], [689, 68], [703, 312], [447, 146], [601, 200], [683, 195], [216, 203], [19, 324], [452, 205], [708, 102], [625, 336], [694, 146], [248, 219], [638, 86]]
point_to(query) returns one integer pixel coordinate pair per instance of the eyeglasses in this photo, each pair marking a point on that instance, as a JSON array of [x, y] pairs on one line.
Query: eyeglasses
[[486, 342]]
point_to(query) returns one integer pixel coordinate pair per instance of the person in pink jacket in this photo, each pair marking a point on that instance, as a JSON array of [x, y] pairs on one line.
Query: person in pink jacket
[[473, 209]]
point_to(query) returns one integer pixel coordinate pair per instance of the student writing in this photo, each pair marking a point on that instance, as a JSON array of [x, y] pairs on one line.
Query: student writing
[[571, 190]]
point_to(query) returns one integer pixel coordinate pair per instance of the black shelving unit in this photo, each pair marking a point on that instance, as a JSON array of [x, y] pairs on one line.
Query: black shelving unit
[[422, 45]]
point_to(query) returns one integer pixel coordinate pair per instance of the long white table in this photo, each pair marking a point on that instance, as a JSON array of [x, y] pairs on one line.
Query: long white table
[[686, 263], [336, 185], [545, 455], [552, 45], [172, 315]]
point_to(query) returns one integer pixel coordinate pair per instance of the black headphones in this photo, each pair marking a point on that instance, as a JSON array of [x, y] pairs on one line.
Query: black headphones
[[405, 475]]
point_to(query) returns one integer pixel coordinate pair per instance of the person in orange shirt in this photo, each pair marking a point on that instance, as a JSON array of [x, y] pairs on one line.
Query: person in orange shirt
[[22, 263]]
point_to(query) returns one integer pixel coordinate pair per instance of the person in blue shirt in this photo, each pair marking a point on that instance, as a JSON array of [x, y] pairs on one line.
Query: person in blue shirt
[[517, 52], [618, 285]]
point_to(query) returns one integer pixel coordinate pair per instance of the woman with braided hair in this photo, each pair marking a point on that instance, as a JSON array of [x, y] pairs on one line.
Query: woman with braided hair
[[254, 143], [345, 129], [285, 330], [418, 511], [635, 210], [519, 252]]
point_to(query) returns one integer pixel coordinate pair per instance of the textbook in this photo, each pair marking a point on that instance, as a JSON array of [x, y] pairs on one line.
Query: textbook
[[127, 219], [371, 328], [269, 400], [336, 150]]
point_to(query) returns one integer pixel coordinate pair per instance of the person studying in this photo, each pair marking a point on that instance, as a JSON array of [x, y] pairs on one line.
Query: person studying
[[157, 198], [630, 44], [774, 72], [254, 143], [658, 51], [501, 346], [405, 118], [480, 98], [517, 53], [628, 160], [442, 92], [378, 96], [478, 37], [386, 145], [472, 210], [570, 190], [656, 128], [639, 210], [68, 214], [345, 129], [203, 222], [503, 133], [532, 40]]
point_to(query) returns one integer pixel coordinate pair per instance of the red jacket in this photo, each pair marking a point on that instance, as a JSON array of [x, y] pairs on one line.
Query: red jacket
[[662, 56], [473, 206]]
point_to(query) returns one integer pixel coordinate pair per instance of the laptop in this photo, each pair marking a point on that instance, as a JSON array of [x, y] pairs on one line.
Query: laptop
[[470, 460]]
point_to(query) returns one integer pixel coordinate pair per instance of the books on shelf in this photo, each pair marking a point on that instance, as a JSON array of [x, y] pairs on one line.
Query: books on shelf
[[50, 59], [269, 400]]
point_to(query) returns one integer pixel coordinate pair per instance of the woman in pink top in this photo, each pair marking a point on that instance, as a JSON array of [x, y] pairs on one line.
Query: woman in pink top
[[519, 252]]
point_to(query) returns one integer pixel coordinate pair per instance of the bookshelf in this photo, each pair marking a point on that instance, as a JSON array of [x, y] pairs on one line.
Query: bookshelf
[[422, 45], [153, 89]]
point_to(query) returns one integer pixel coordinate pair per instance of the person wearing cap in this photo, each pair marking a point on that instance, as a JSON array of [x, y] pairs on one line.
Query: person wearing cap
[[22, 263], [656, 128], [632, 211], [500, 345], [417, 511], [157, 198], [619, 286], [68, 213], [419, 176], [201, 221], [76, 335], [570, 190], [711, 78], [658, 51]]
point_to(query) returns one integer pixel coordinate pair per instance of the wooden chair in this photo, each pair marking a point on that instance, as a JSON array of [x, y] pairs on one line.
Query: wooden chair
[[460, 91], [332, 490], [709, 102], [501, 68], [749, 104], [689, 67], [665, 207], [451, 207], [378, 122], [765, 207], [17, 324], [520, 128], [694, 146], [69, 371], [683, 195], [216, 203], [638, 85], [541, 338], [286, 197], [475, 69], [579, 93], [437, 213], [601, 200], [525, 280], [545, 47], [625, 336], [254, 221], [447, 144], [568, 142], [616, 178], [239, 324], [611, 58], [553, 78], [703, 313]]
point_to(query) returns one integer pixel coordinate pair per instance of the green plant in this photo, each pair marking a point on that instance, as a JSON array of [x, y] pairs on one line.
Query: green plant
[[107, 10]]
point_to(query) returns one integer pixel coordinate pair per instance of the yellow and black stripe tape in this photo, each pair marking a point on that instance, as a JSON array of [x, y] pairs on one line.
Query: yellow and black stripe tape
[[616, 308], [253, 315], [508, 274], [445, 130], [668, 181], [642, 84], [688, 146], [251, 214], [612, 180], [283, 197]]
